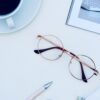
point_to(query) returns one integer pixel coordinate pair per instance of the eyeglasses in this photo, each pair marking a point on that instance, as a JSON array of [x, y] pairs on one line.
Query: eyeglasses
[[81, 67]]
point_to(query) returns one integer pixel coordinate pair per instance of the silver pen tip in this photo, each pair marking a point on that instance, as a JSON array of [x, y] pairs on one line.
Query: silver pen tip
[[46, 86]]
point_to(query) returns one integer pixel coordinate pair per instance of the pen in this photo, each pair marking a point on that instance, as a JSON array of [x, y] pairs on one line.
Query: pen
[[40, 91]]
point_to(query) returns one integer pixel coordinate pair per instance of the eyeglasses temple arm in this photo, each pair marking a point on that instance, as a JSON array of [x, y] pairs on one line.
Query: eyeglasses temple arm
[[83, 74], [46, 49]]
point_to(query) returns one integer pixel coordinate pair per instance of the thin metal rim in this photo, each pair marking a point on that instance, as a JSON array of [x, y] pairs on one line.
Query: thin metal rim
[[48, 58], [74, 75]]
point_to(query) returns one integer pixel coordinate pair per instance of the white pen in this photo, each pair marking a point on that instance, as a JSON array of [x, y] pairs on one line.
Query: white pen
[[39, 91]]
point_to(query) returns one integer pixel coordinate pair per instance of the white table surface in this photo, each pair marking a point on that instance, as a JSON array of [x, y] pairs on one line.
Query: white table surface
[[22, 71]]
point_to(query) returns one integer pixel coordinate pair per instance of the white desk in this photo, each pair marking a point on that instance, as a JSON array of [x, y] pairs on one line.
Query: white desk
[[22, 71]]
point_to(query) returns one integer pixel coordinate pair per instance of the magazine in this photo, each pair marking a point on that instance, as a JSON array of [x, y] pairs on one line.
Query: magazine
[[85, 14]]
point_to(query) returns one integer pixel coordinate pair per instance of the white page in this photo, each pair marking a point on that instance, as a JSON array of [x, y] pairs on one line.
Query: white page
[[94, 96]]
